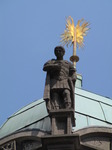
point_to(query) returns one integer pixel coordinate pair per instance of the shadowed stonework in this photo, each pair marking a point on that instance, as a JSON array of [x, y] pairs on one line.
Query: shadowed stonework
[[60, 81], [59, 92], [59, 98]]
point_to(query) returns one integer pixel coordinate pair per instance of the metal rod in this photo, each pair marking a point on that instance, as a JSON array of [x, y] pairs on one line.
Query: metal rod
[[74, 42], [74, 47]]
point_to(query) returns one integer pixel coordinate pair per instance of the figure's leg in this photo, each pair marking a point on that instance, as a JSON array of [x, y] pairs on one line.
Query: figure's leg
[[67, 98], [55, 100]]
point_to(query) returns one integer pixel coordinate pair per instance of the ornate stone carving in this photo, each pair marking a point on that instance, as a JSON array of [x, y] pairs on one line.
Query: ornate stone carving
[[9, 146], [59, 92], [30, 145], [98, 142], [60, 80]]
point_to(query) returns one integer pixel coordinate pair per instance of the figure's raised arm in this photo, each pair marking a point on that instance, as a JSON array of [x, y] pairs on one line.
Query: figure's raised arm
[[51, 65]]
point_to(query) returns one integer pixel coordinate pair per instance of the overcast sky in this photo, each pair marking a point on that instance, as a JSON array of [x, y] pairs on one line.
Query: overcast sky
[[29, 32]]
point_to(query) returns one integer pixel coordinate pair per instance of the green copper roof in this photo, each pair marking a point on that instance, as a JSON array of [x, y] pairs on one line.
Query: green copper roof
[[90, 110]]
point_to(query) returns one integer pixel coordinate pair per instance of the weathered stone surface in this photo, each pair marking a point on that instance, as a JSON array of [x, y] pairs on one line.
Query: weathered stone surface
[[97, 137], [98, 142], [60, 81], [62, 121], [9, 146], [65, 142]]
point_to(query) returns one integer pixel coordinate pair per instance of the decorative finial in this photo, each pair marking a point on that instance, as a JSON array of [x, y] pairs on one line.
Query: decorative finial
[[74, 36]]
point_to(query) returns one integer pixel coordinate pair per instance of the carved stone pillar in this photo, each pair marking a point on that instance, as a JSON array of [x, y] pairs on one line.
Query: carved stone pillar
[[61, 137], [62, 121]]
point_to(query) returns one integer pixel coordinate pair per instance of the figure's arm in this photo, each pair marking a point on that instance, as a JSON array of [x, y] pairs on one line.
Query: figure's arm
[[72, 73], [51, 66]]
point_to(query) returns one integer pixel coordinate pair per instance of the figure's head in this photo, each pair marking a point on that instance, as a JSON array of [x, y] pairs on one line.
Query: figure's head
[[59, 51]]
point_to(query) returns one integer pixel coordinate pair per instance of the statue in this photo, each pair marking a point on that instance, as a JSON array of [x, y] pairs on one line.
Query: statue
[[61, 78], [60, 81]]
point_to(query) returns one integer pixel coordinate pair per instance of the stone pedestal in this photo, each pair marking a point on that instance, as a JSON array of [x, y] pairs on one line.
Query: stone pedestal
[[62, 121], [62, 142], [61, 137]]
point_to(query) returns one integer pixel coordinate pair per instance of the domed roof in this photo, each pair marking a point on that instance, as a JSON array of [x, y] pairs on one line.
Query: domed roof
[[90, 110]]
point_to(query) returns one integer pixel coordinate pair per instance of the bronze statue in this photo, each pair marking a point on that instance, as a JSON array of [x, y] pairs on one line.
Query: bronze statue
[[60, 81]]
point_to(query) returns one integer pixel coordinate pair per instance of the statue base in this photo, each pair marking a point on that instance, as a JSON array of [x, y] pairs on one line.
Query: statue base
[[62, 142], [62, 121]]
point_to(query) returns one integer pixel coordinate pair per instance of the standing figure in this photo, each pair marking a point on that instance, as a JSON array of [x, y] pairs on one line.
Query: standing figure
[[60, 82]]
